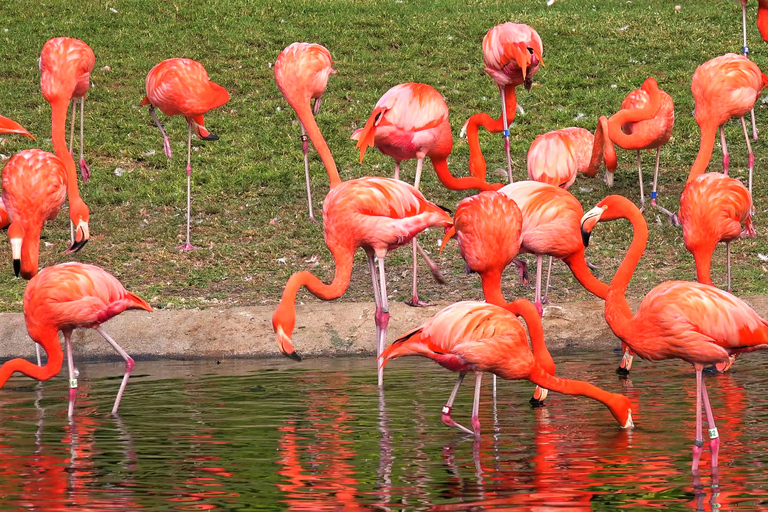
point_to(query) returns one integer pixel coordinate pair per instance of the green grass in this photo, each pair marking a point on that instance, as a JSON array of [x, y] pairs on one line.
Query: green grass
[[249, 206]]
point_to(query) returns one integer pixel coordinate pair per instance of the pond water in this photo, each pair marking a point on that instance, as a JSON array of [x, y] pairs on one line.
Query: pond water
[[318, 435]]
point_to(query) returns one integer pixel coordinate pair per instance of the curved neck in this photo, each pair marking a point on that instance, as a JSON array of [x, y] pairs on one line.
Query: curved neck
[[491, 281], [49, 340], [58, 135], [708, 135], [634, 115], [477, 166], [578, 265], [703, 259], [602, 147], [525, 309], [303, 110], [466, 183], [568, 386]]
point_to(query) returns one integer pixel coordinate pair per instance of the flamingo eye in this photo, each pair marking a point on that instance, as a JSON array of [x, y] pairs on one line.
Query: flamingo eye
[[530, 50], [378, 116]]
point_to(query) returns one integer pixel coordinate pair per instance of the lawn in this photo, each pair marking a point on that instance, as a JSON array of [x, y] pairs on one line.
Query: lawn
[[248, 203]]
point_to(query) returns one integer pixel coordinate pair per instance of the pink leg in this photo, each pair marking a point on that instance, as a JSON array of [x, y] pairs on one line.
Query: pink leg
[[166, 140], [187, 246], [85, 171], [537, 300], [640, 179], [415, 302], [698, 443], [376, 296], [506, 133], [397, 170], [305, 148], [522, 269], [728, 263], [545, 299], [726, 159], [73, 373], [672, 216], [749, 149], [714, 436], [383, 318], [476, 404], [128, 366], [449, 406]]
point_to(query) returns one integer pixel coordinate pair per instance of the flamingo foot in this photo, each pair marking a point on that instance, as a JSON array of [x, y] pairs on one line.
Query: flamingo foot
[[85, 171], [167, 146], [186, 246], [416, 302], [749, 231], [449, 421], [714, 449]]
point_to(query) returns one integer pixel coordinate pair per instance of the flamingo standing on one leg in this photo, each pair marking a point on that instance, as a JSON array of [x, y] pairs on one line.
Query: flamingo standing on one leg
[[63, 298], [694, 322], [512, 54], [489, 227], [556, 157], [411, 121], [182, 87], [302, 71], [724, 87], [377, 214], [480, 337], [65, 66], [645, 121]]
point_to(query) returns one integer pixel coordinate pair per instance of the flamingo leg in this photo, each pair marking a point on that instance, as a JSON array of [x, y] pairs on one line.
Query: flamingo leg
[[166, 140], [726, 159], [640, 176], [449, 406], [85, 171], [698, 443], [545, 299], [522, 269], [128, 366], [186, 246], [714, 436], [728, 263], [673, 219], [305, 148], [73, 374], [431, 264], [415, 302], [537, 300], [476, 404], [37, 353], [506, 133], [73, 104], [751, 154], [745, 52], [397, 170], [316, 106], [417, 181], [376, 296], [384, 317]]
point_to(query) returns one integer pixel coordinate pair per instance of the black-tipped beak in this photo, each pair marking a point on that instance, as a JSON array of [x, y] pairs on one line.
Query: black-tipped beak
[[293, 355], [210, 136], [585, 237], [16, 267], [77, 246], [468, 270]]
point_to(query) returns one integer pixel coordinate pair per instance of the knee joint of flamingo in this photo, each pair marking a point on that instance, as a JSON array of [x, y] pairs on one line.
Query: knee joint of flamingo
[[382, 317], [476, 425], [129, 364], [305, 144], [751, 160], [446, 417]]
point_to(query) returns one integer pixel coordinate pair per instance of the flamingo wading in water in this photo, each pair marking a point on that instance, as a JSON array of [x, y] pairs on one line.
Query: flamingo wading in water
[[63, 298], [182, 87], [302, 71]]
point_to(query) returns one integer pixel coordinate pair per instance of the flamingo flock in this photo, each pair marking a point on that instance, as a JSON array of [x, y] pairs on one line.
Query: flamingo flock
[[695, 322]]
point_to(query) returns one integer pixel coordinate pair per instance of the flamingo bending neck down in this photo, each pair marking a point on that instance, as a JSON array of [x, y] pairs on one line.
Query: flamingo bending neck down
[[694, 322], [63, 298], [411, 121], [301, 72], [479, 337], [8, 126], [512, 54]]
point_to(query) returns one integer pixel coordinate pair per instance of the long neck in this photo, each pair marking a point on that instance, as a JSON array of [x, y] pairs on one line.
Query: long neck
[[492, 288], [708, 135], [477, 166], [49, 340], [568, 386], [30, 250], [635, 115], [466, 183], [301, 106], [58, 134], [525, 309], [602, 147], [578, 265], [703, 259]]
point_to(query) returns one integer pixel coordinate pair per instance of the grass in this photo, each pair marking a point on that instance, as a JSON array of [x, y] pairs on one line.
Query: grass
[[248, 204]]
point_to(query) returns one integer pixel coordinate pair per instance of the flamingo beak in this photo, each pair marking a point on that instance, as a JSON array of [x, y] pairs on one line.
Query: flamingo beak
[[589, 221], [285, 345], [82, 235], [16, 254], [629, 423], [16, 267]]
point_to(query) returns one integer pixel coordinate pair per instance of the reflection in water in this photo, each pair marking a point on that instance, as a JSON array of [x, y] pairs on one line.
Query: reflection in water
[[304, 437]]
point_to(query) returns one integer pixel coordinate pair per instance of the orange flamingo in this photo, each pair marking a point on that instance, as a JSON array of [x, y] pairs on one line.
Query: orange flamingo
[[512, 55], [762, 25], [489, 227], [551, 226], [302, 71], [182, 87], [63, 298], [65, 66], [724, 87], [34, 188], [694, 322], [480, 337], [556, 157], [645, 121], [10, 126], [377, 214], [411, 121]]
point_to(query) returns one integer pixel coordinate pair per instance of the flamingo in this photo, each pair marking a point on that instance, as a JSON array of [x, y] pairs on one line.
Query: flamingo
[[762, 26], [9, 126], [302, 71], [480, 337], [63, 298], [65, 66], [512, 55], [182, 87], [695, 322], [556, 157], [645, 121], [489, 227], [377, 214], [34, 188], [411, 121], [724, 87], [551, 226]]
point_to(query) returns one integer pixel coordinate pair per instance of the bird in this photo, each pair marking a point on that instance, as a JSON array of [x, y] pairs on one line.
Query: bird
[[10, 127], [182, 87], [65, 66], [302, 71], [551, 226], [556, 157], [34, 189], [724, 87], [411, 121], [480, 337], [65, 297], [645, 121], [512, 53], [377, 214], [488, 228], [695, 322]]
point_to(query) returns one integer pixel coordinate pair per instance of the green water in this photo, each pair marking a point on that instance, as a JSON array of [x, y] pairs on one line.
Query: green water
[[318, 435]]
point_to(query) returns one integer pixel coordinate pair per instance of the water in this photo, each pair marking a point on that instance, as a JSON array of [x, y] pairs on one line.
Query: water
[[317, 435]]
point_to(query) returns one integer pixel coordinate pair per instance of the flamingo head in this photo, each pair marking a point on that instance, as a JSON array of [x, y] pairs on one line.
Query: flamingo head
[[79, 216], [621, 409], [589, 221], [283, 322]]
